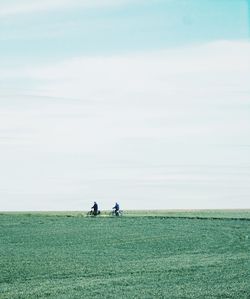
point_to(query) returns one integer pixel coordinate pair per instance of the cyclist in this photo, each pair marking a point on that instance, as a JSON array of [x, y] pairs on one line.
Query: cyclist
[[95, 209], [116, 209]]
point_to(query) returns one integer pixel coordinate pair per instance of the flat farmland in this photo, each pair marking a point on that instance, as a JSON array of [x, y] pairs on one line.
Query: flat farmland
[[140, 255]]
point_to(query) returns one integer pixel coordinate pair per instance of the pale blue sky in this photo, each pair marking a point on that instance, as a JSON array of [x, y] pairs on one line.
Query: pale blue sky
[[131, 101], [71, 30]]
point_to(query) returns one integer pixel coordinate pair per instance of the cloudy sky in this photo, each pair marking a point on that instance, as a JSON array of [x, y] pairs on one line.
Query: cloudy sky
[[137, 101]]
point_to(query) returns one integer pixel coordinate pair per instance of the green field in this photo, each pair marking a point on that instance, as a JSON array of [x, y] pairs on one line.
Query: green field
[[140, 255]]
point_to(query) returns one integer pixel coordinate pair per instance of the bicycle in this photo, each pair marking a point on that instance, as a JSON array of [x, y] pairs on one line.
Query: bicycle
[[92, 213], [116, 213]]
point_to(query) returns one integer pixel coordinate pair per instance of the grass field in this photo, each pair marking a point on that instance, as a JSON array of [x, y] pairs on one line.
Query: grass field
[[139, 255]]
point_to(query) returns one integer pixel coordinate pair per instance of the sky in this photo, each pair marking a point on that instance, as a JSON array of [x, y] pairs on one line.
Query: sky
[[142, 102]]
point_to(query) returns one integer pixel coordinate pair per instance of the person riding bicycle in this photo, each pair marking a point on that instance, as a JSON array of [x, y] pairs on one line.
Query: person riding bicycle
[[95, 209], [116, 209]]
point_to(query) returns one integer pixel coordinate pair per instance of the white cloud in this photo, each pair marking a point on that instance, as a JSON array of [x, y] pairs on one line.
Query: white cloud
[[13, 7], [198, 70], [219, 56], [109, 127], [179, 94]]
